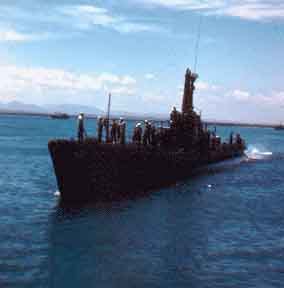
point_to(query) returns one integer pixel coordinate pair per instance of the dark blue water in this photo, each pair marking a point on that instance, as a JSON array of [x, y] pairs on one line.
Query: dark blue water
[[223, 228]]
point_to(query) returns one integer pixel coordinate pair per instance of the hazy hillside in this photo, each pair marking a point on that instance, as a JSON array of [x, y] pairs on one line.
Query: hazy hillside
[[17, 106], [71, 109]]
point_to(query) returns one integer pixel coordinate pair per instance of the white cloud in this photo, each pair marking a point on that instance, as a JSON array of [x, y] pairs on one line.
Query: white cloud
[[205, 86], [185, 4], [153, 98], [6, 98], [86, 16], [111, 78], [22, 81], [69, 19], [257, 10], [13, 36], [123, 91], [241, 95], [63, 20], [207, 93], [150, 76], [276, 98], [254, 10]]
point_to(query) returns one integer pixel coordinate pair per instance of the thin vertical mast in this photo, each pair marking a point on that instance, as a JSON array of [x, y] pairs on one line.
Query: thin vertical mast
[[197, 44], [108, 116], [108, 106]]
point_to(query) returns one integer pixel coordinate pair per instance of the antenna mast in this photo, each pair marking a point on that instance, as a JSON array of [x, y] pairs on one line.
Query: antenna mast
[[197, 44]]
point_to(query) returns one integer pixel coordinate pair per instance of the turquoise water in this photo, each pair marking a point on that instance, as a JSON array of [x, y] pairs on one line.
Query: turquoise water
[[223, 228]]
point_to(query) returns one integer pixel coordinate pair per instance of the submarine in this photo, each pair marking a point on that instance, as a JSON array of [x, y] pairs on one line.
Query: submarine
[[91, 170]]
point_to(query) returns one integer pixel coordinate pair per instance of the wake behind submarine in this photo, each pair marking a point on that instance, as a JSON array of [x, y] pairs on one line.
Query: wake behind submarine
[[93, 169]]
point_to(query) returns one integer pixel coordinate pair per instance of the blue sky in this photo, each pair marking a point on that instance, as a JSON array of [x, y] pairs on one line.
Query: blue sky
[[77, 51]]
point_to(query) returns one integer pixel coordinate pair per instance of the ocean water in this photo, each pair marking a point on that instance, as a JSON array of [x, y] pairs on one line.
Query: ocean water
[[222, 228]]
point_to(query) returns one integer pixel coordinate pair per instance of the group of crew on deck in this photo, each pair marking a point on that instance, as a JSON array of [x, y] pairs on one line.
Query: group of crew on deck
[[184, 131], [147, 137], [115, 132]]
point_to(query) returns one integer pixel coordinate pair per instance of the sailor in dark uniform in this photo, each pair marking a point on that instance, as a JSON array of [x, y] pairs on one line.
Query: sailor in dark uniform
[[147, 133], [113, 131], [81, 129], [100, 128], [231, 137], [106, 126], [239, 140], [153, 135], [122, 128], [121, 120], [137, 134], [174, 117]]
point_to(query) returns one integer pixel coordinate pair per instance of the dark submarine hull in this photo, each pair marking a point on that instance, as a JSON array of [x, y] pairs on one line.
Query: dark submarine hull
[[94, 172]]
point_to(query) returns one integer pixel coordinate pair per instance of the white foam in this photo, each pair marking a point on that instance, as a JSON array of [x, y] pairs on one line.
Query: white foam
[[57, 193], [254, 153]]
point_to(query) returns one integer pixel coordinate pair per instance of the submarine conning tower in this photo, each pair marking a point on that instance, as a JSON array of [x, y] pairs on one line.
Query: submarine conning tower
[[187, 101]]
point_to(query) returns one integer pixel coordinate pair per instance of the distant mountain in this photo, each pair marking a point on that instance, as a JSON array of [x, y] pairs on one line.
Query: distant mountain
[[18, 107], [14, 106], [72, 109]]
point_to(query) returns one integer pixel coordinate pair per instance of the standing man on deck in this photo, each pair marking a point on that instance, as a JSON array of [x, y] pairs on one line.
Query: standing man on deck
[[100, 129], [81, 129], [153, 135], [137, 134], [113, 132], [231, 138], [147, 133], [174, 117], [121, 129], [106, 125], [118, 128]]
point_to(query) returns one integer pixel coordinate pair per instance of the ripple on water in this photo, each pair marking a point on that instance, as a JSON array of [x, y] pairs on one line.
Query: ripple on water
[[221, 228]]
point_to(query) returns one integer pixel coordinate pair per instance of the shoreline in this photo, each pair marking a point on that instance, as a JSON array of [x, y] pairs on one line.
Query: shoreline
[[138, 118]]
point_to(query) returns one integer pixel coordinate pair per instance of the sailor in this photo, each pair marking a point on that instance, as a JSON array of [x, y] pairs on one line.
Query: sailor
[[147, 133], [231, 138], [121, 129], [208, 138], [213, 140], [239, 140], [137, 135], [100, 123], [118, 129], [174, 117], [106, 126], [81, 129], [153, 135], [113, 132]]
